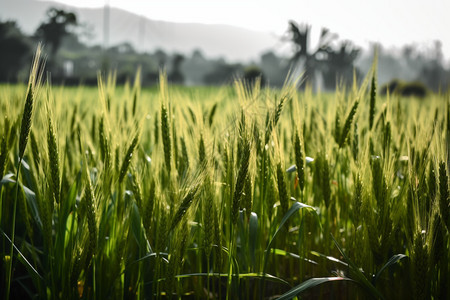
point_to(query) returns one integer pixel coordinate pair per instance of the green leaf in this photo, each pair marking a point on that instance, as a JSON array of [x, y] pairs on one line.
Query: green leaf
[[22, 258], [253, 234], [294, 208], [68, 203], [330, 258], [136, 227], [360, 277], [7, 179], [392, 261], [310, 283], [71, 229], [30, 196], [292, 211], [285, 253], [241, 276]]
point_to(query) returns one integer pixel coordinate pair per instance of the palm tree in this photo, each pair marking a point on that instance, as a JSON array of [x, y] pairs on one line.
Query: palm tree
[[312, 60]]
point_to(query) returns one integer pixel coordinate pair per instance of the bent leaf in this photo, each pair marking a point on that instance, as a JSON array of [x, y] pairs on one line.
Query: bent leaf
[[310, 283]]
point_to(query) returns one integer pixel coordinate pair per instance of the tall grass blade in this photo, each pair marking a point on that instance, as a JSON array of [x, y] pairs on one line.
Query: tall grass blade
[[308, 284], [360, 278], [392, 261]]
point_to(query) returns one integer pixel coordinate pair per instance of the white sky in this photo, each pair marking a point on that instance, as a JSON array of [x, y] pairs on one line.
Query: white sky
[[390, 22]]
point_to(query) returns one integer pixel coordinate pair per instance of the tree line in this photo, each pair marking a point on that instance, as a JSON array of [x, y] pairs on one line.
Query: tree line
[[324, 64]]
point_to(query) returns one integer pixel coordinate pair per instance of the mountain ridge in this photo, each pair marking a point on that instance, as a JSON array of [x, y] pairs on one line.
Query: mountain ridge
[[215, 40]]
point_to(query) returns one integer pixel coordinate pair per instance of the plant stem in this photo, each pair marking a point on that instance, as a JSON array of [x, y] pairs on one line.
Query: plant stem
[[13, 233]]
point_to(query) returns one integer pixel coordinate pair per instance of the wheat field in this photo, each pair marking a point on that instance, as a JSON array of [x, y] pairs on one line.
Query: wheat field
[[222, 193]]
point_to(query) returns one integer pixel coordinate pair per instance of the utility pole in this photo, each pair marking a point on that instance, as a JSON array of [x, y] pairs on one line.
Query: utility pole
[[141, 34], [106, 25], [105, 59]]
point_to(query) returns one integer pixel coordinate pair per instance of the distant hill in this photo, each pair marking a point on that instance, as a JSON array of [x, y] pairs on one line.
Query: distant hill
[[230, 42]]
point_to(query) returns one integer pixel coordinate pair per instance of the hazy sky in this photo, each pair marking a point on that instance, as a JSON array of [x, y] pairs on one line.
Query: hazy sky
[[391, 22]]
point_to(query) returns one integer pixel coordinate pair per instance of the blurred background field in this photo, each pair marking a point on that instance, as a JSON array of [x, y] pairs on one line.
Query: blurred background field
[[80, 41]]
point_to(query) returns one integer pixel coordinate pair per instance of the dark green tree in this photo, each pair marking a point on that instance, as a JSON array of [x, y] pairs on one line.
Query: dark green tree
[[175, 75], [433, 72], [161, 57], [15, 50], [252, 73], [340, 64], [58, 25], [274, 68], [223, 73]]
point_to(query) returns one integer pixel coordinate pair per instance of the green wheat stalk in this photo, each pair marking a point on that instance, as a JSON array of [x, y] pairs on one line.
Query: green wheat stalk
[[347, 125], [373, 98], [33, 86], [127, 159]]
